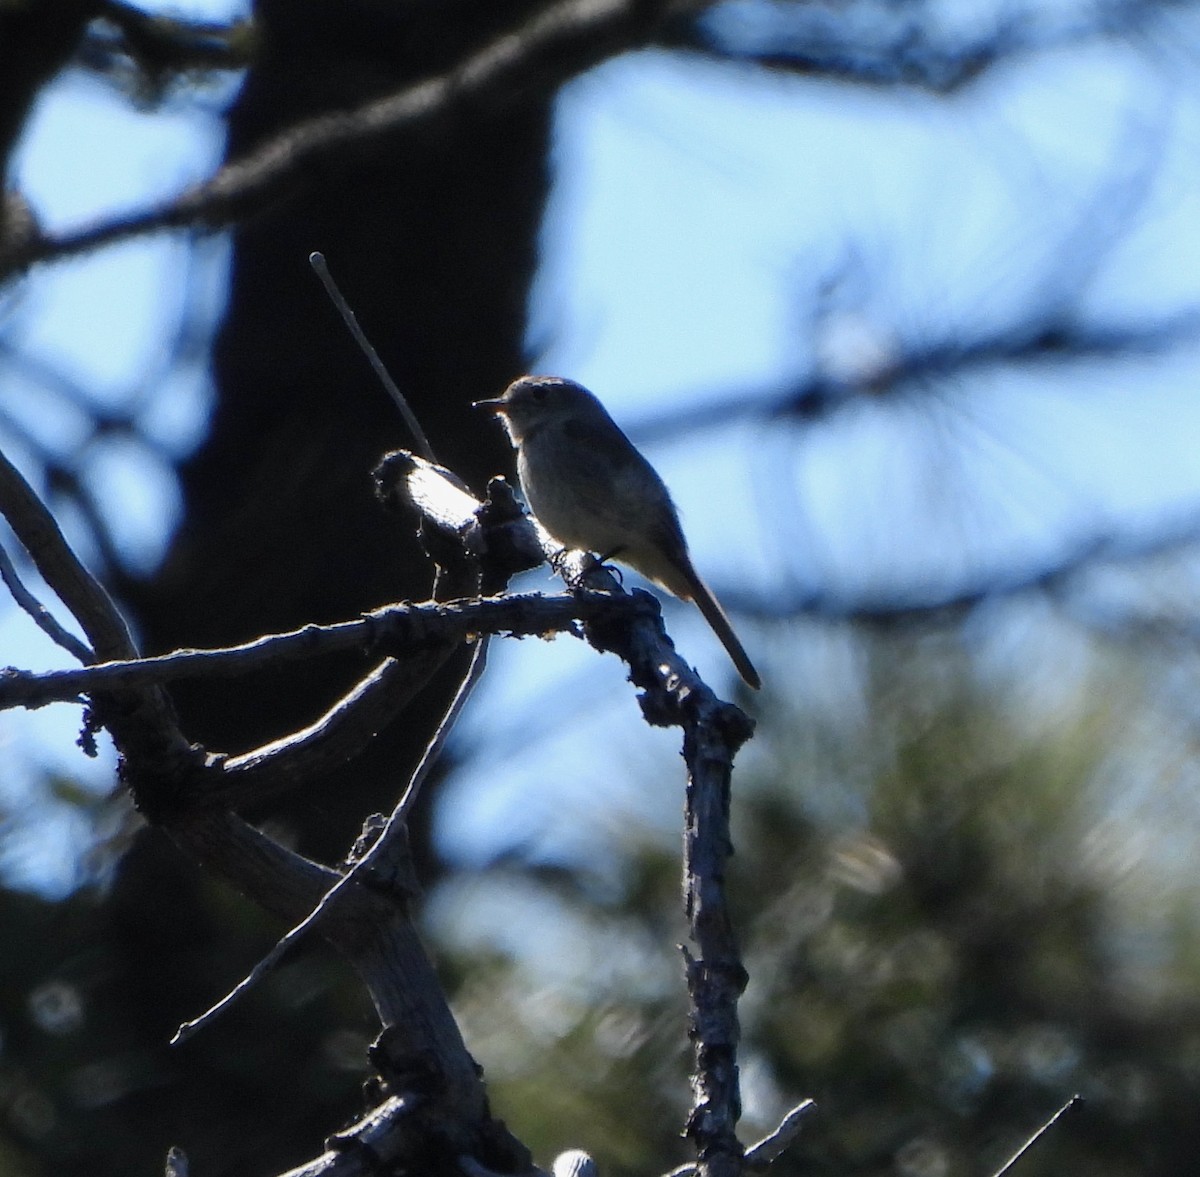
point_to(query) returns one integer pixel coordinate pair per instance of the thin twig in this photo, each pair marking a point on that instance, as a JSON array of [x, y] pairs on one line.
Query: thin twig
[[316, 259], [43, 618], [60, 568], [775, 1144], [759, 1157], [371, 860], [1066, 1107], [377, 854]]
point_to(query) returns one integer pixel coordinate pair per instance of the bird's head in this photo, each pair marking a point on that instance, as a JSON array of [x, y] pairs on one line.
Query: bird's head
[[535, 401]]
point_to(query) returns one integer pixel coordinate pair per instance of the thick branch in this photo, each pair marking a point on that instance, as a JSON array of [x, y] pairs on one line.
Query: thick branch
[[333, 739], [279, 880], [713, 731], [716, 977], [400, 629]]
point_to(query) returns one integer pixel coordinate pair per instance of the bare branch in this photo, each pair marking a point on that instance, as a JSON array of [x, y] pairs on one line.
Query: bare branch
[[420, 1055], [406, 628], [451, 512], [60, 568], [333, 739], [1066, 1107], [920, 366], [42, 617], [161, 45], [556, 44], [874, 45], [382, 859], [716, 977], [772, 1146], [713, 731], [382, 1141], [760, 1156], [373, 930], [935, 605], [363, 909], [316, 259], [279, 880]]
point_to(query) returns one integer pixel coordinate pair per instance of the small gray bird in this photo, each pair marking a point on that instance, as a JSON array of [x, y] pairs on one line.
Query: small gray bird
[[591, 489]]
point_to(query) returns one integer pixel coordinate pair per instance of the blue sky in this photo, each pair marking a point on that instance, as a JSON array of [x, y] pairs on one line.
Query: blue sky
[[697, 211]]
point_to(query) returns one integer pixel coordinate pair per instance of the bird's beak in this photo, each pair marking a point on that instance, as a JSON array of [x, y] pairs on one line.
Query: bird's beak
[[499, 405]]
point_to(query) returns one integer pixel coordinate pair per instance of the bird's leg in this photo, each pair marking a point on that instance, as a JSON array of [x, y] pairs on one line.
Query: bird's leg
[[577, 579], [602, 561]]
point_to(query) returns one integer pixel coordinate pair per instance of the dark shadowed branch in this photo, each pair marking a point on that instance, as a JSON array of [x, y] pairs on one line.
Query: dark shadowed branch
[[162, 46], [42, 617], [881, 46], [1055, 576], [403, 628], [917, 368], [561, 41], [78, 590]]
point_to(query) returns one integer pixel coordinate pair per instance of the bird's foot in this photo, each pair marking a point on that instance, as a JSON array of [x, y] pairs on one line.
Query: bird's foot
[[603, 562]]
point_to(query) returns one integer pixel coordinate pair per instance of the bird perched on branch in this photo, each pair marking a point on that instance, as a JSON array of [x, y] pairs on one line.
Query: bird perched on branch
[[590, 488]]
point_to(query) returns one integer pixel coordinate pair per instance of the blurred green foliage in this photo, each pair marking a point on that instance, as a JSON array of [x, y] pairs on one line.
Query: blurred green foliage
[[962, 886], [958, 905]]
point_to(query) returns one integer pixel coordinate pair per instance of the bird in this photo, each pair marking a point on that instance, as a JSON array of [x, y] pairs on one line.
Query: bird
[[590, 488]]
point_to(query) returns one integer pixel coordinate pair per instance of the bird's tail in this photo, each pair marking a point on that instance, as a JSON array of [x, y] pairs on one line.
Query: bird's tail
[[715, 616]]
